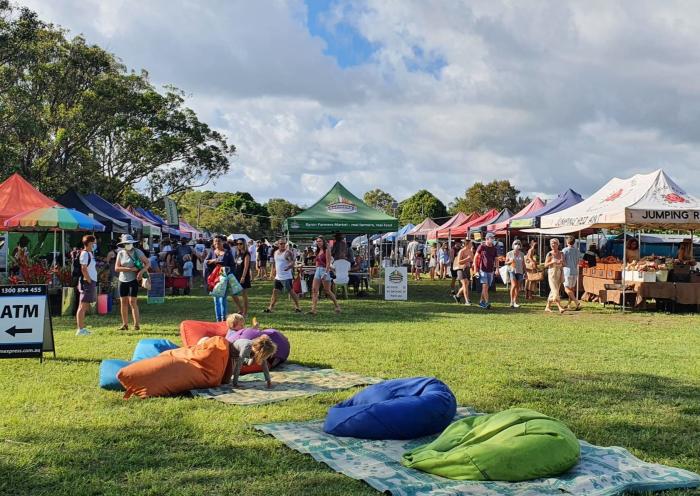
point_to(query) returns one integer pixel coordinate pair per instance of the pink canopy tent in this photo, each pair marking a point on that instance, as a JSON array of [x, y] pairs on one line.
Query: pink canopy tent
[[463, 230], [458, 219], [501, 228], [424, 228]]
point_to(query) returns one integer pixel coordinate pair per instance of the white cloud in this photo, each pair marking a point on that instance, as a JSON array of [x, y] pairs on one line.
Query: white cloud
[[550, 95]]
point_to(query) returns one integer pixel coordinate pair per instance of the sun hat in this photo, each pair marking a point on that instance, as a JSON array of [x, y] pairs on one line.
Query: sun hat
[[126, 239]]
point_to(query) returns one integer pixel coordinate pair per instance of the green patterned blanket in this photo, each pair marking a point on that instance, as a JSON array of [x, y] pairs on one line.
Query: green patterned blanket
[[601, 471], [289, 380]]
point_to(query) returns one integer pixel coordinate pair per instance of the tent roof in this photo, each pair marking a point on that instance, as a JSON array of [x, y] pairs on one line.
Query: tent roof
[[340, 211], [456, 220], [114, 211], [533, 206], [401, 233], [17, 195], [73, 199], [424, 227], [461, 231], [149, 228], [651, 200], [563, 201], [502, 216]]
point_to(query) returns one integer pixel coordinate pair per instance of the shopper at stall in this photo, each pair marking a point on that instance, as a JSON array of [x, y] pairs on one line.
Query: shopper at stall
[[685, 251], [632, 250], [591, 256], [433, 261], [554, 263], [411, 250], [486, 265], [454, 251], [515, 261], [322, 276], [87, 284], [462, 267], [131, 265], [531, 270], [221, 256], [572, 258], [418, 267], [253, 252], [262, 260], [284, 270], [242, 270]]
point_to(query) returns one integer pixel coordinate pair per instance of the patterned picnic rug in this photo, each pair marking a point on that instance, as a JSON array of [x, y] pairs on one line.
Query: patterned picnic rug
[[601, 471], [289, 380]]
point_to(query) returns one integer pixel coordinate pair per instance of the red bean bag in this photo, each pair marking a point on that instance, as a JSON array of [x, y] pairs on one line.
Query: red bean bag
[[192, 331], [175, 371]]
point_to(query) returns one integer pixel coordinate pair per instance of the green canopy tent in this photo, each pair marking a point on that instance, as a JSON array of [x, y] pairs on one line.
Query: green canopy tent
[[339, 211]]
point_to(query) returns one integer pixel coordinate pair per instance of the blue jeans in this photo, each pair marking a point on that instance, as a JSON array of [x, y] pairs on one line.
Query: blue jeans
[[220, 307], [486, 278]]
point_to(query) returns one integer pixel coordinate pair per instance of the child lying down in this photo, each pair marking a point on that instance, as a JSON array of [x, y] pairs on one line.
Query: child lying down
[[247, 351]]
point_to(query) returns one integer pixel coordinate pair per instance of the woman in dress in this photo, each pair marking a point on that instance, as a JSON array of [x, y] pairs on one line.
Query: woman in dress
[[242, 269], [531, 270], [555, 263]]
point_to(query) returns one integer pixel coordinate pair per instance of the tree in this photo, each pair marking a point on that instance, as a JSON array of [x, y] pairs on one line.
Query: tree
[[381, 200], [279, 210], [419, 206], [71, 115], [481, 197], [218, 212]]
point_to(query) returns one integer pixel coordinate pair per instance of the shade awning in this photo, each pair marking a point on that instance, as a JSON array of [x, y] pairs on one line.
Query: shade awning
[[53, 219], [135, 224], [17, 195], [563, 201], [73, 199]]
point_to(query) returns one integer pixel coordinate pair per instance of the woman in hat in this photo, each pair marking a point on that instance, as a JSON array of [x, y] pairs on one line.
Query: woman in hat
[[131, 264]]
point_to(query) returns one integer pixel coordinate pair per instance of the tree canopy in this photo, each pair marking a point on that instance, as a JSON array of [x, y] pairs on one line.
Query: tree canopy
[[481, 197], [381, 200], [419, 206], [71, 115]]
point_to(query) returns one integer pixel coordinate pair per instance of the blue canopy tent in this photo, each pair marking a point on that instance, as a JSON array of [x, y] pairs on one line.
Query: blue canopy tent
[[400, 234], [567, 199], [135, 225], [159, 221], [73, 199]]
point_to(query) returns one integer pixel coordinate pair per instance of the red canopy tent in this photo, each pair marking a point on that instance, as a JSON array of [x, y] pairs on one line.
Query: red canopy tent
[[457, 220], [501, 228], [18, 196], [463, 230]]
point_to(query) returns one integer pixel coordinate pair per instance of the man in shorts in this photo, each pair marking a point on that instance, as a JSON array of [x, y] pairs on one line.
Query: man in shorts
[[572, 257], [284, 265], [87, 284], [487, 266]]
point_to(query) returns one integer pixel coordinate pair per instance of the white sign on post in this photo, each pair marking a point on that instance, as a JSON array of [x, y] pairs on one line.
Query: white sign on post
[[25, 321], [395, 283]]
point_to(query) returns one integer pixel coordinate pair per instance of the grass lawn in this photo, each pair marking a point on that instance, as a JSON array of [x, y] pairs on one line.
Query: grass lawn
[[627, 380]]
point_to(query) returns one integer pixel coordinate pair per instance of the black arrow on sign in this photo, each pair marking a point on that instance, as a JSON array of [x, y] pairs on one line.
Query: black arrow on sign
[[13, 330]]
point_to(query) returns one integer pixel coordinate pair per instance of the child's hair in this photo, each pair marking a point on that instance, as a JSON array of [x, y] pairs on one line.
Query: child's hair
[[235, 320], [263, 348]]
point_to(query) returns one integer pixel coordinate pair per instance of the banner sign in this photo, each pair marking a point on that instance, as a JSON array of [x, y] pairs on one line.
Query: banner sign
[[396, 283], [25, 322], [157, 292], [171, 212]]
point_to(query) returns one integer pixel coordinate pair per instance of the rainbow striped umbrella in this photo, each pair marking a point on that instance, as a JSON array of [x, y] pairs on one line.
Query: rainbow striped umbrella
[[53, 218]]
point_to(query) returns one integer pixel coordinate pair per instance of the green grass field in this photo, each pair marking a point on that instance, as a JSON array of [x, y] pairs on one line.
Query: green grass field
[[628, 380]]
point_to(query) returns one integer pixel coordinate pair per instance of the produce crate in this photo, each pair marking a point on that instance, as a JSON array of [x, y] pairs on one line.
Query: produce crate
[[636, 276], [614, 266], [615, 275], [600, 273]]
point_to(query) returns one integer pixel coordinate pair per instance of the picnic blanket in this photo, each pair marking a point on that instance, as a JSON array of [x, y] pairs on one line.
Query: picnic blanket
[[600, 472], [289, 380]]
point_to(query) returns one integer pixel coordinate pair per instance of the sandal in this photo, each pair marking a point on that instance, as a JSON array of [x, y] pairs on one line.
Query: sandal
[[297, 310], [137, 327], [548, 310], [267, 310], [125, 327]]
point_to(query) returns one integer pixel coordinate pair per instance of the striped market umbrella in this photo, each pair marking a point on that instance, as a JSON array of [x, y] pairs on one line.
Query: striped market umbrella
[[53, 219]]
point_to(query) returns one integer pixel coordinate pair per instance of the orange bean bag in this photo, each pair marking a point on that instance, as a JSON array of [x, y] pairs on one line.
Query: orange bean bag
[[176, 371], [191, 331]]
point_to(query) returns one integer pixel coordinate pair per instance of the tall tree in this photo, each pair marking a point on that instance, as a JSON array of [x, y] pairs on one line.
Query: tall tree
[[481, 197], [419, 206], [71, 115], [279, 210], [381, 200]]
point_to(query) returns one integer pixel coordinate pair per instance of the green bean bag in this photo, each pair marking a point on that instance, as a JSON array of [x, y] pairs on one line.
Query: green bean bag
[[513, 445]]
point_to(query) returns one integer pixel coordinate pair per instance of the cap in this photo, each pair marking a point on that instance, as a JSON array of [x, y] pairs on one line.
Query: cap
[[490, 236]]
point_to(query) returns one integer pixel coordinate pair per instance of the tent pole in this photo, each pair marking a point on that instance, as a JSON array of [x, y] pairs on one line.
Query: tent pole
[[578, 272], [63, 247], [624, 267], [54, 248]]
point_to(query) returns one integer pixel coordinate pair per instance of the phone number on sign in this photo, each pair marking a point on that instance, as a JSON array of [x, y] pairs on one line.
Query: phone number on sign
[[21, 290]]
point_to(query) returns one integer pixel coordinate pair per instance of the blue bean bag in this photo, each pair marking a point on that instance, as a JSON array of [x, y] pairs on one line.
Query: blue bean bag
[[108, 374], [146, 348], [396, 409], [149, 348]]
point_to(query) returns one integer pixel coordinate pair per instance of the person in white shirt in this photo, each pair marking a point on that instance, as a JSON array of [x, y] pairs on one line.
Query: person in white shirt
[[253, 258], [284, 265], [87, 285]]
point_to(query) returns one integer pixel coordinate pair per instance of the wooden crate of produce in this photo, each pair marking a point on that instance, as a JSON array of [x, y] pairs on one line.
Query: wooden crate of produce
[[615, 275], [600, 273]]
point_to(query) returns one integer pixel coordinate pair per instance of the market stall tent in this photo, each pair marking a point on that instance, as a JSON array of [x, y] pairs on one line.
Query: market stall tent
[[17, 196], [134, 223], [462, 230], [73, 199], [648, 201], [499, 227], [443, 231], [563, 201], [339, 211], [424, 228], [400, 234], [477, 230], [149, 229]]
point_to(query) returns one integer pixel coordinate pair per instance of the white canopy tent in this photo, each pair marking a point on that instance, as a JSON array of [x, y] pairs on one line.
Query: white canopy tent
[[644, 201]]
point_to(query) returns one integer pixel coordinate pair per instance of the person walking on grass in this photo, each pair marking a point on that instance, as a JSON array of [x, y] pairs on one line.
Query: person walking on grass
[[531, 270], [554, 262], [322, 276], [284, 265], [131, 265], [572, 257], [87, 284], [462, 267], [433, 261], [242, 270], [454, 252], [486, 265], [418, 266], [515, 260], [253, 252]]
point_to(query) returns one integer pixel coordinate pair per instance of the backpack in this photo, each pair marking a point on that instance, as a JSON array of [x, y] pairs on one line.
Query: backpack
[[77, 271]]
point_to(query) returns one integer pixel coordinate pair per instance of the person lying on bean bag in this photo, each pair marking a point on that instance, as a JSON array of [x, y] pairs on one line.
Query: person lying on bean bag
[[247, 352]]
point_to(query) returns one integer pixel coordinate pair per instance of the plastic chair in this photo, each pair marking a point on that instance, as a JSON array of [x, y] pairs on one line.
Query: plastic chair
[[342, 276]]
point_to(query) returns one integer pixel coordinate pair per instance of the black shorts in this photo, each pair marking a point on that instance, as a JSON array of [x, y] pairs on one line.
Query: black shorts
[[129, 289], [285, 285], [454, 273], [246, 284]]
